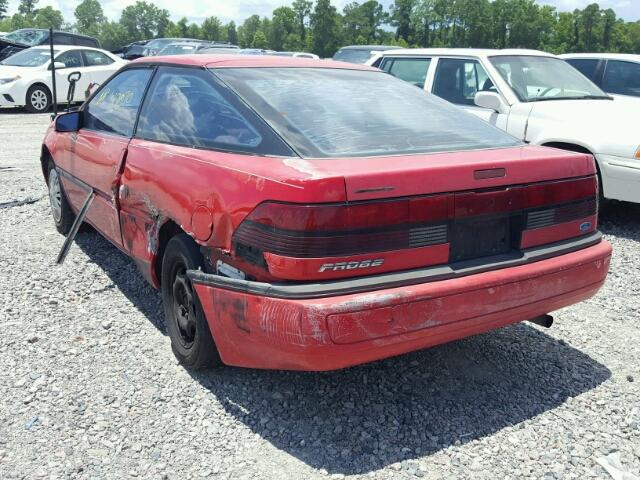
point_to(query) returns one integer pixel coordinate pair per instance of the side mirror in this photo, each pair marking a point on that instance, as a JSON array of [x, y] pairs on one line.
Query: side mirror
[[492, 101], [58, 65], [69, 122]]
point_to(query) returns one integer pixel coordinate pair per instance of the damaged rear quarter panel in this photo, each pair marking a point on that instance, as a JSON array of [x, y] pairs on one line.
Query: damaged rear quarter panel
[[164, 182]]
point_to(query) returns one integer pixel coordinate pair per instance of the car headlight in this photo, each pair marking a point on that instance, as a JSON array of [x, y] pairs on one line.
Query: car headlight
[[637, 155], [9, 80]]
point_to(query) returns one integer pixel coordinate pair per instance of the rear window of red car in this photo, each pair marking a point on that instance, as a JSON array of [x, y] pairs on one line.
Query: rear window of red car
[[324, 112]]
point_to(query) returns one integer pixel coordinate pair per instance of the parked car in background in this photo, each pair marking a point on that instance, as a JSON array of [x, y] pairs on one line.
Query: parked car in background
[[182, 48], [18, 40], [536, 97], [293, 220], [360, 53], [25, 78], [132, 51], [295, 55], [218, 50], [615, 73], [154, 46]]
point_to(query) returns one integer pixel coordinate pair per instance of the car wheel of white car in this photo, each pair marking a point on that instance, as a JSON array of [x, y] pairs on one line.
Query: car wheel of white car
[[38, 99]]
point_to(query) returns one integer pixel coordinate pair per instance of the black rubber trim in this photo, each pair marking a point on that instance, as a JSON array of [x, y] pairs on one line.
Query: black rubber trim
[[299, 291]]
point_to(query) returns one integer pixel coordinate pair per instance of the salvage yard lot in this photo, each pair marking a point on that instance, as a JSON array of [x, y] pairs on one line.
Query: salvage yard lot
[[90, 388]]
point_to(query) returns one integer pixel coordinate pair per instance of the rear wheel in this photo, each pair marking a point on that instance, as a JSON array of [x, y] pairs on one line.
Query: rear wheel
[[63, 216], [38, 99], [187, 326]]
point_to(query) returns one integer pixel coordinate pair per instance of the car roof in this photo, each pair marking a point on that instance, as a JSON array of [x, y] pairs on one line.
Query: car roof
[[474, 52], [264, 61], [184, 44], [369, 47], [64, 48], [611, 56], [55, 31]]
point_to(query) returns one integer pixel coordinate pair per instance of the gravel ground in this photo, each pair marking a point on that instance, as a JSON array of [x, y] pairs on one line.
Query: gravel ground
[[90, 389]]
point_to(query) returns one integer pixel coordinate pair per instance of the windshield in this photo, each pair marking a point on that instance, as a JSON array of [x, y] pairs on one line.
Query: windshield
[[544, 78], [178, 50], [27, 37], [352, 55], [32, 57], [326, 112]]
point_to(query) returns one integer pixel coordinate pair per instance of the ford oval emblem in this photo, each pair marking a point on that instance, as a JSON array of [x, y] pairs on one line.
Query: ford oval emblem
[[585, 226]]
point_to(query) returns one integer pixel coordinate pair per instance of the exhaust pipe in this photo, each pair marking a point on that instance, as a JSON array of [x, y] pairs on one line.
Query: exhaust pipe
[[543, 320]]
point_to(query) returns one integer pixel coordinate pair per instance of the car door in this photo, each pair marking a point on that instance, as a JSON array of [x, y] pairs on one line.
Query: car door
[[98, 150], [73, 62], [457, 80], [622, 78], [98, 65]]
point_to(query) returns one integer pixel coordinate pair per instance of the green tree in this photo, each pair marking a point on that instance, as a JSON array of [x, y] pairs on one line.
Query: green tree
[[113, 35], [422, 22], [88, 15], [283, 25], [27, 7], [259, 40], [400, 17], [302, 12], [181, 28], [212, 29], [232, 33], [324, 25], [144, 20], [248, 30], [4, 6], [48, 17], [609, 21]]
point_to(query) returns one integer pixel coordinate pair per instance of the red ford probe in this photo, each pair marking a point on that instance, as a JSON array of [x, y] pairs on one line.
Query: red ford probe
[[313, 215]]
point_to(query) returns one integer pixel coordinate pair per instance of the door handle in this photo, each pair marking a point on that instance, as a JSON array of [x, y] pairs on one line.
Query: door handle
[[124, 191]]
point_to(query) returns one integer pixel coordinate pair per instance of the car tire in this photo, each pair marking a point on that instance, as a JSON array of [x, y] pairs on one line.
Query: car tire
[[61, 212], [191, 339], [38, 99]]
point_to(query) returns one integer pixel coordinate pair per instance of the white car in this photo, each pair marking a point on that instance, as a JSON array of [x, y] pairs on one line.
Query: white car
[[615, 73], [536, 97], [25, 78]]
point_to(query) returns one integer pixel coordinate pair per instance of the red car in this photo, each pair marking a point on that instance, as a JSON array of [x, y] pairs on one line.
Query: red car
[[313, 215]]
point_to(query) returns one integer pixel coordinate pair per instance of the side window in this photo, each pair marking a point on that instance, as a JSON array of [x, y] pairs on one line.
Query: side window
[[458, 80], [411, 70], [184, 107], [586, 66], [94, 58], [62, 39], [622, 77], [71, 59], [115, 107]]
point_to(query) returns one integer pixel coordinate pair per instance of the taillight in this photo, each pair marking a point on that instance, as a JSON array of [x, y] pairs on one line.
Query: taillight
[[462, 225], [317, 231]]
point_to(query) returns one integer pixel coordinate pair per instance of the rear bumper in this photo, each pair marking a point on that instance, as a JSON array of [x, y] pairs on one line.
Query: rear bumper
[[620, 178], [341, 330]]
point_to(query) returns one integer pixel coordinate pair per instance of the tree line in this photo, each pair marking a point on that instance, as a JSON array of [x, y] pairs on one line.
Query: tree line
[[320, 28]]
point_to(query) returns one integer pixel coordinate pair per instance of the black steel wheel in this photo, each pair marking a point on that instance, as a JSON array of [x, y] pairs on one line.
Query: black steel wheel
[[191, 339], [63, 216]]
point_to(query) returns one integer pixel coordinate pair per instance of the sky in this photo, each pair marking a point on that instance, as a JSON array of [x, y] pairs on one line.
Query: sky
[[238, 10]]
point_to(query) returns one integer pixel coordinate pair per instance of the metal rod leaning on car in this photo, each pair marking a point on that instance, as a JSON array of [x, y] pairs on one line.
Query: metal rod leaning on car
[[53, 75], [74, 228]]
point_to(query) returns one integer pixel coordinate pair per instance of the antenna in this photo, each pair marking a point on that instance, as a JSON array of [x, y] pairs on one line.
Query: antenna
[[53, 75]]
